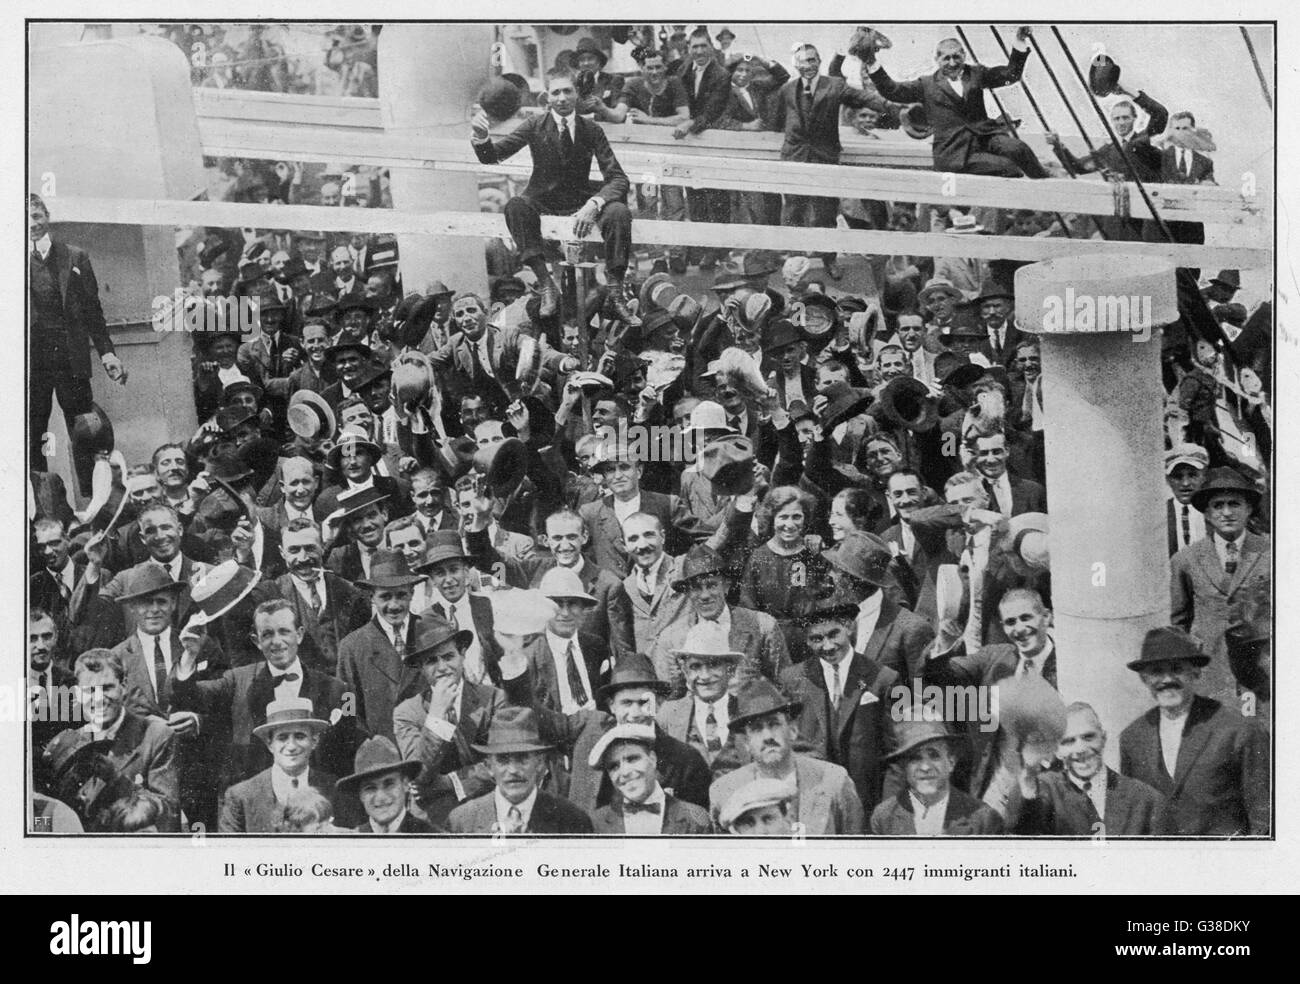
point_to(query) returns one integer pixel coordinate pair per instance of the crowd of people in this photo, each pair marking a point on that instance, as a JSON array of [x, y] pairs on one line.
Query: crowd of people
[[443, 561]]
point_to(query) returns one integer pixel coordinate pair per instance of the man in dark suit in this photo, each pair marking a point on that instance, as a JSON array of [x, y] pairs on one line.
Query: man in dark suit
[[64, 320], [1185, 467], [242, 694], [846, 701], [1137, 143], [1007, 493], [1210, 763], [562, 145], [447, 566], [701, 719], [51, 587], [808, 112], [382, 781], [517, 758], [566, 665], [920, 551], [965, 139], [1180, 164], [708, 86], [1083, 797], [996, 305], [641, 806]]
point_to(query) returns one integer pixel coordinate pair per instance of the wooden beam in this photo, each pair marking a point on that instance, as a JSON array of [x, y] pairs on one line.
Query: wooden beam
[[487, 225]]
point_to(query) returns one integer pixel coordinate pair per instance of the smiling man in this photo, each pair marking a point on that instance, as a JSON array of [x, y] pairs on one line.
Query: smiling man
[[382, 780], [1185, 466], [641, 806], [931, 805], [1084, 797]]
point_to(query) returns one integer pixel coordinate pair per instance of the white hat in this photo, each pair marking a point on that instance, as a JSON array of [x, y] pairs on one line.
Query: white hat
[[709, 639], [521, 613], [564, 582], [755, 794], [708, 415], [1186, 454], [642, 733]]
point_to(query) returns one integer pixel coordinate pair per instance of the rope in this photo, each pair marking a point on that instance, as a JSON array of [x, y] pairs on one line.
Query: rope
[[1061, 92], [1263, 83], [1024, 84]]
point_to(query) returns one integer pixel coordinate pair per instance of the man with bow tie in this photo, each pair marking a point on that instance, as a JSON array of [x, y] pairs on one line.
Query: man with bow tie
[[641, 806]]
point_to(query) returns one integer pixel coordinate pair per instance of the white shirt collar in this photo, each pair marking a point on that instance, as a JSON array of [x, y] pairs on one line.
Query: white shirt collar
[[394, 633], [829, 669], [44, 245], [868, 616], [288, 688], [648, 823], [525, 808], [392, 828], [173, 566], [560, 123], [929, 819], [1040, 660], [108, 735], [282, 783], [655, 571]]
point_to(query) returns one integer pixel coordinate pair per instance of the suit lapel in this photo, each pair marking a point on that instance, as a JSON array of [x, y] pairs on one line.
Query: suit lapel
[[1193, 743], [1208, 558], [63, 261], [857, 684], [382, 653], [1249, 557]]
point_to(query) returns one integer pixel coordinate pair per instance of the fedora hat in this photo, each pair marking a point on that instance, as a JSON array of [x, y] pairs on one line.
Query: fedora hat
[[956, 369], [938, 285], [724, 34], [371, 373], [642, 734], [648, 287], [1032, 714], [591, 381], [227, 468], [1103, 75], [1233, 313], [377, 756], [907, 402], [353, 439], [709, 416], [683, 307], [701, 561], [222, 587], [1228, 278], [753, 795], [780, 333], [355, 302], [1169, 643], [503, 466], [228, 418], [708, 640], [92, 431], [759, 697], [914, 734], [915, 121], [730, 276], [356, 500], [828, 602], [798, 410], [239, 386], [310, 416], [564, 582], [513, 729], [147, 580], [388, 570], [589, 46], [636, 670], [610, 453], [864, 556], [431, 632], [500, 99], [991, 290], [334, 351], [441, 545], [728, 463], [288, 712], [843, 401], [1220, 480]]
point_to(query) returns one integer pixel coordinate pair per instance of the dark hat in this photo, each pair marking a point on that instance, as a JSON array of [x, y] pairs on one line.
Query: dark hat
[[361, 348], [647, 290], [1103, 76], [321, 307], [955, 369], [506, 287], [352, 439], [292, 270], [376, 757], [1228, 278], [851, 304], [519, 82], [1224, 480], [1169, 643], [907, 402], [915, 121], [92, 431], [635, 670], [388, 570], [371, 373], [726, 32], [228, 418], [432, 631], [503, 466], [147, 580], [441, 545], [843, 402], [864, 556], [827, 600], [513, 729], [798, 410], [1234, 313], [991, 290], [228, 468], [780, 333], [355, 302], [500, 99], [757, 698], [913, 734], [728, 463], [589, 46], [730, 276], [238, 386], [701, 561], [356, 500]]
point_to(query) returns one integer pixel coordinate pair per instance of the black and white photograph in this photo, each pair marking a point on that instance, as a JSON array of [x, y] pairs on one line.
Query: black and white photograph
[[650, 448]]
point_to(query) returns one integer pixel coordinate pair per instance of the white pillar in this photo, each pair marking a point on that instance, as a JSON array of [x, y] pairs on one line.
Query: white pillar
[[1105, 479], [429, 75]]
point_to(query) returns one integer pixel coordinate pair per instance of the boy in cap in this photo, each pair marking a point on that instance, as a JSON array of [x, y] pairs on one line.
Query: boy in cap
[[931, 805], [1185, 466], [760, 808], [641, 806], [382, 780]]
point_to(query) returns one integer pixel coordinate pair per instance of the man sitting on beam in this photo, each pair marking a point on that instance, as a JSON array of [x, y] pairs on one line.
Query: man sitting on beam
[[562, 145]]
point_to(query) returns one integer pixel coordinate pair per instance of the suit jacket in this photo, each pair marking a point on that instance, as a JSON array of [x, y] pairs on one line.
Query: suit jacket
[[1027, 496], [51, 497], [756, 634], [860, 734], [965, 817], [250, 807], [542, 682], [371, 669], [44, 593], [1203, 598], [764, 96], [927, 556], [1145, 158], [1220, 785], [83, 317], [652, 617], [560, 185], [551, 815], [611, 619], [676, 718], [1061, 809], [683, 771], [1172, 521], [346, 610], [828, 801], [959, 121], [398, 502], [411, 824], [813, 133], [480, 607], [1202, 168], [457, 354], [80, 607], [710, 105], [256, 352], [680, 818], [605, 548], [899, 641], [435, 790]]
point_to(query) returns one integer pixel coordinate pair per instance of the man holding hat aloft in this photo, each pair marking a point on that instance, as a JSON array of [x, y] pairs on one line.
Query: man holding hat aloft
[[1211, 579], [382, 780], [641, 806], [1210, 763], [827, 801], [517, 757], [291, 732], [439, 726], [931, 806]]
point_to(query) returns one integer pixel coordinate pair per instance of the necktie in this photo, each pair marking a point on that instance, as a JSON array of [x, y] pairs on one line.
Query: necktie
[[993, 496], [1087, 785], [316, 603], [566, 138], [64, 592], [277, 679], [293, 783], [835, 686], [575, 678], [1027, 669], [1187, 164], [453, 717], [1187, 525], [734, 422], [399, 642], [630, 807], [1233, 552], [159, 669], [514, 821], [449, 612], [711, 740]]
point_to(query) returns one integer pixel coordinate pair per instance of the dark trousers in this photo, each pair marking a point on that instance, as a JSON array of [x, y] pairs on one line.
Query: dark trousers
[[1005, 156], [524, 221], [74, 398], [810, 212], [707, 205]]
